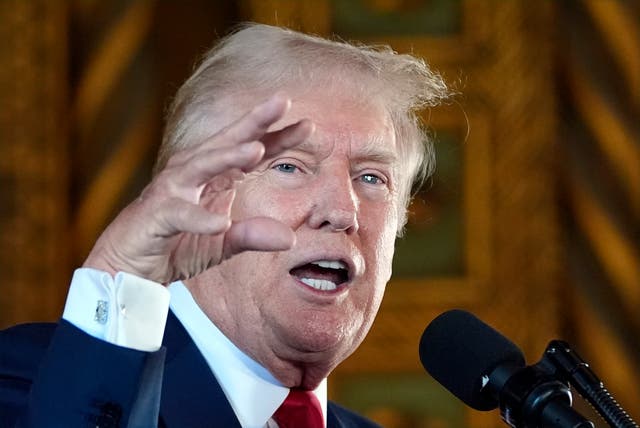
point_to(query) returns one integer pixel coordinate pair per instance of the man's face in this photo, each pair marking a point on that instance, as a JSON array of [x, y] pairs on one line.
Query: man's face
[[339, 193]]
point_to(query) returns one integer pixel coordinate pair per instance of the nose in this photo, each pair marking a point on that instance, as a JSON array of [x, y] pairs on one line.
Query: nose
[[335, 205]]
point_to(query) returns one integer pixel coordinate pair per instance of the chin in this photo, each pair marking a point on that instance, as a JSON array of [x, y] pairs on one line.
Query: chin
[[323, 337]]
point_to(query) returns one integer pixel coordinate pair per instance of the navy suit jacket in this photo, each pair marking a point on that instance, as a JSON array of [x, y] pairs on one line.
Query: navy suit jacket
[[55, 375]]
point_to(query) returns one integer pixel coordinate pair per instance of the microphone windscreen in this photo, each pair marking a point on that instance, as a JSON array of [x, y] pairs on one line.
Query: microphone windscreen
[[458, 349]]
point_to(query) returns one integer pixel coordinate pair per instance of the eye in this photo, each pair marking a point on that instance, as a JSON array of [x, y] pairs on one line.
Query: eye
[[371, 179], [286, 168]]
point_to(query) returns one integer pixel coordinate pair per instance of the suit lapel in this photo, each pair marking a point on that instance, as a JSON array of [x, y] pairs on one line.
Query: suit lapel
[[333, 421], [191, 395]]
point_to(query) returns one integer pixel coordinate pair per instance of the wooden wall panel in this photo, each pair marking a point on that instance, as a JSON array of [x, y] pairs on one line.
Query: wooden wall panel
[[83, 85], [34, 167], [600, 93], [115, 112]]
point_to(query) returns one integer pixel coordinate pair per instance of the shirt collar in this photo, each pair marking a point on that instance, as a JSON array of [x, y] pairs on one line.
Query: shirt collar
[[252, 391]]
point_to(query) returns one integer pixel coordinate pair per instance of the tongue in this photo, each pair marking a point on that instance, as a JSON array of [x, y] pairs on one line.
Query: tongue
[[317, 272]]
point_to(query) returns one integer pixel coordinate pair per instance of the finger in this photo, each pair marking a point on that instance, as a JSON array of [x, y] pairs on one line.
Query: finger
[[254, 124], [208, 164], [250, 127], [288, 137], [258, 234], [177, 216], [224, 181]]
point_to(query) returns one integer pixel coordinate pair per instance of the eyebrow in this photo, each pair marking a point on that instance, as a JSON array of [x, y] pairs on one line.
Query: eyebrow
[[374, 150]]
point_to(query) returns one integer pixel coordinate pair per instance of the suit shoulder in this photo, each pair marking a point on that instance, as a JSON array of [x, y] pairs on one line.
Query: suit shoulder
[[338, 416], [38, 333], [22, 347]]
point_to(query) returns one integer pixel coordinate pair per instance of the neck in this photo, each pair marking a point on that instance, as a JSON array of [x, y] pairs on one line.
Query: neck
[[304, 372], [291, 366]]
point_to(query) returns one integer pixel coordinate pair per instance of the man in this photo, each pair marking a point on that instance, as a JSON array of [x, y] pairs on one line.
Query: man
[[283, 178]]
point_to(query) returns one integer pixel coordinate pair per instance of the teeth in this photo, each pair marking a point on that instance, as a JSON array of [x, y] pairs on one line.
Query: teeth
[[330, 264], [319, 284]]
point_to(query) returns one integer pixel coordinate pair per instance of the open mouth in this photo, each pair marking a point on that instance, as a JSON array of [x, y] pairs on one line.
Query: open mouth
[[323, 275]]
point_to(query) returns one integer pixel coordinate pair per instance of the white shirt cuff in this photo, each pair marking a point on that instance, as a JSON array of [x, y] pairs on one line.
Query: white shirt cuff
[[126, 310]]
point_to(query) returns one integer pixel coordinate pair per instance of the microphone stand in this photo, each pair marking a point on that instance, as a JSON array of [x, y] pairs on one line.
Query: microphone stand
[[533, 397], [572, 369]]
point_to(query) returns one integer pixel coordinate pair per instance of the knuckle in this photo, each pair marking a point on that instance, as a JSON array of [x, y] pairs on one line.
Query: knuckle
[[165, 183], [178, 158], [183, 212]]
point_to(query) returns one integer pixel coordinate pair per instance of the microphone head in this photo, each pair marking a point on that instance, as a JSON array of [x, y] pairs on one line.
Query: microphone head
[[458, 349]]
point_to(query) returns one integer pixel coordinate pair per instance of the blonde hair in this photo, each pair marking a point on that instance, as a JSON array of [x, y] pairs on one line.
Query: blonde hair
[[266, 59]]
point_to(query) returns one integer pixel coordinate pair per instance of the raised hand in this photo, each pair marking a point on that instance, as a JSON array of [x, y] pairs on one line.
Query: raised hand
[[181, 225]]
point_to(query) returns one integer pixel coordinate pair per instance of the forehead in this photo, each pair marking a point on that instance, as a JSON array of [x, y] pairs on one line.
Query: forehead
[[364, 128]]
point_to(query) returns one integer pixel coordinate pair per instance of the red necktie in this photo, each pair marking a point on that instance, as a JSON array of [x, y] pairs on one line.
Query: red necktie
[[301, 409]]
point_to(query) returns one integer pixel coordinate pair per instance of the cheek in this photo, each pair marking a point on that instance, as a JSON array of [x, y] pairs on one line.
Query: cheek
[[261, 199], [381, 234], [258, 197], [386, 249], [249, 280], [253, 200], [382, 241]]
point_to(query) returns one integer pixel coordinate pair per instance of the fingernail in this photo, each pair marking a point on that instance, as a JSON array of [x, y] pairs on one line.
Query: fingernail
[[251, 147], [280, 97]]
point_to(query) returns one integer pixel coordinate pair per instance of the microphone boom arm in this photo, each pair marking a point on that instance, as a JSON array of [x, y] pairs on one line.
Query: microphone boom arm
[[572, 369], [533, 397]]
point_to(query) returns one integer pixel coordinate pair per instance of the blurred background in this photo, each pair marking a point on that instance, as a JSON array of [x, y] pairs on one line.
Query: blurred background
[[532, 220]]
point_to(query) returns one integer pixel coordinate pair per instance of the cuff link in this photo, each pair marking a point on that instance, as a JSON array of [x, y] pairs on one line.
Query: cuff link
[[102, 312]]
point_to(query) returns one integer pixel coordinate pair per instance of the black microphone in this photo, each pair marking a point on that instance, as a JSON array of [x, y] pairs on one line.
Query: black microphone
[[486, 370]]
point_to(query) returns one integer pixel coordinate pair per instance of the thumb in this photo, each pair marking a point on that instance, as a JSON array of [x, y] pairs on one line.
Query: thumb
[[257, 234]]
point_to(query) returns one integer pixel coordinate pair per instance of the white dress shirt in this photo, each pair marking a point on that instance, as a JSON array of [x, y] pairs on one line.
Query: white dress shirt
[[131, 311]]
